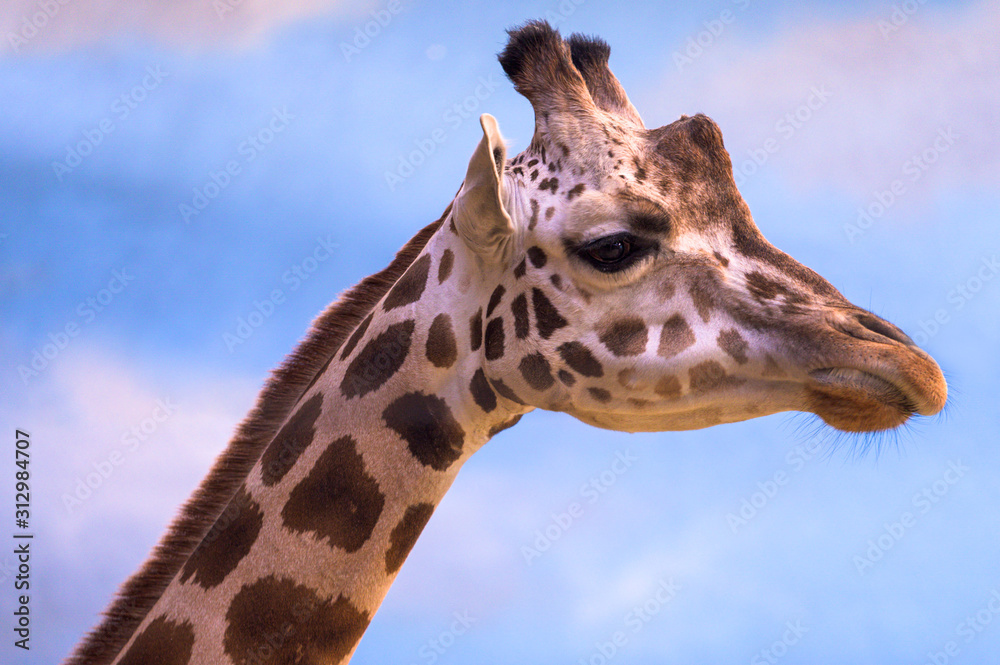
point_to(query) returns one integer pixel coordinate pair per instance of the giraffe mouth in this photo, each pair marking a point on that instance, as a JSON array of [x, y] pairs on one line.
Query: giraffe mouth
[[854, 400]]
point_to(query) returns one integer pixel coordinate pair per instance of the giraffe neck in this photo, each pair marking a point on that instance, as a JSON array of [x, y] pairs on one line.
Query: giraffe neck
[[303, 555]]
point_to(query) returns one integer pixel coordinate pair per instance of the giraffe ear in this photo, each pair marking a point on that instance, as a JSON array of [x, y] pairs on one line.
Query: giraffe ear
[[480, 217]]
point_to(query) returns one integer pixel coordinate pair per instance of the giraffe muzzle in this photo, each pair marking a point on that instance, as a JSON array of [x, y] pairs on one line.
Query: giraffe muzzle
[[876, 379]]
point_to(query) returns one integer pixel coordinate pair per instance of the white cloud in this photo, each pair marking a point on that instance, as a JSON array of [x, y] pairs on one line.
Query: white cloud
[[884, 97], [116, 446], [45, 25]]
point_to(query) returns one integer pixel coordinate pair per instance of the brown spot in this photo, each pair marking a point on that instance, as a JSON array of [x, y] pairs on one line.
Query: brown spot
[[710, 375], [566, 377], [481, 391], [536, 371], [378, 360], [163, 642], [410, 286], [534, 175], [730, 341], [763, 288], [444, 268], [278, 622], [293, 438], [600, 394], [668, 387], [338, 501], [356, 337], [640, 173], [521, 268], [549, 183], [504, 391], [580, 359], [625, 337], [494, 339], [532, 162], [576, 191], [228, 541], [476, 329], [549, 212], [533, 220], [556, 281], [547, 317], [772, 368], [537, 256], [703, 298], [519, 308], [430, 430], [666, 289], [721, 259], [507, 424], [442, 349], [404, 535], [675, 337], [495, 298]]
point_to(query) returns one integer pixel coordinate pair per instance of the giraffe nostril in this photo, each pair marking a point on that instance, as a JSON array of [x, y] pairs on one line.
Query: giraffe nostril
[[884, 328]]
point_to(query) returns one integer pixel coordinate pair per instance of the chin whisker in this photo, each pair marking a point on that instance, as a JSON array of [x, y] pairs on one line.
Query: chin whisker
[[855, 446]]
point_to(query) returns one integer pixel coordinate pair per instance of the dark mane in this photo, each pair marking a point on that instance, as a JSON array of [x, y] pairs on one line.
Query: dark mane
[[283, 389]]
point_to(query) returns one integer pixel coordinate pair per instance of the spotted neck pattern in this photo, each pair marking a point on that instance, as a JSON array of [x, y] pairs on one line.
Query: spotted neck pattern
[[300, 559]]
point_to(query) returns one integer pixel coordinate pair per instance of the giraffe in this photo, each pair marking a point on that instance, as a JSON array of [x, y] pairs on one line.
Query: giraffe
[[609, 271]]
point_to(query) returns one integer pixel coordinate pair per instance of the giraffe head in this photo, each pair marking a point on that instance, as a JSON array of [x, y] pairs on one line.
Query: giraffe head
[[625, 281]]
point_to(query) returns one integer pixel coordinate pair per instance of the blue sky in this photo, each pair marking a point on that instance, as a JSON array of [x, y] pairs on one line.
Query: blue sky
[[865, 143]]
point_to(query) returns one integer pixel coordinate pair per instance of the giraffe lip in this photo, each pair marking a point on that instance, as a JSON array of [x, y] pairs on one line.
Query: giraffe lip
[[869, 385]]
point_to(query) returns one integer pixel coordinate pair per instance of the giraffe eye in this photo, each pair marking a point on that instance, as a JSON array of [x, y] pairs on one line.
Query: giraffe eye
[[613, 253], [610, 252]]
